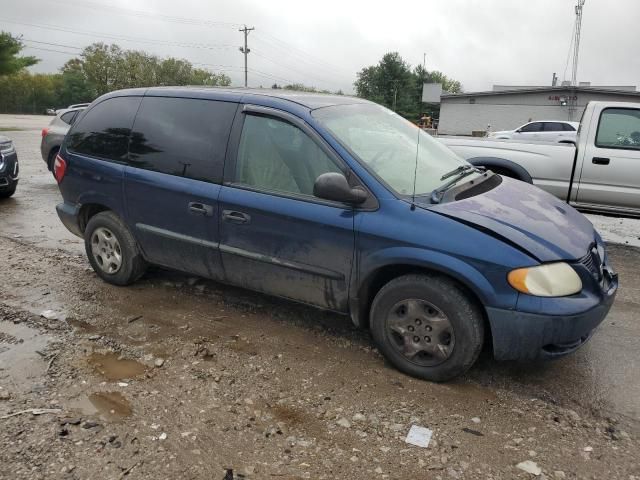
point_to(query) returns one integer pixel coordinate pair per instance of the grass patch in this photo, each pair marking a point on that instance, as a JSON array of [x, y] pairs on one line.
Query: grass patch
[[11, 129]]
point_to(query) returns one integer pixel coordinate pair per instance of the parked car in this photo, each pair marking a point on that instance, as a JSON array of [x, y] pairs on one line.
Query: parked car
[[73, 107], [542, 131], [53, 135], [9, 169], [316, 198], [600, 173], [50, 111]]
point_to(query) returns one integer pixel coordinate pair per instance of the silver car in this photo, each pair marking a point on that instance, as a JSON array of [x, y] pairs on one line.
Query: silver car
[[54, 134], [541, 131]]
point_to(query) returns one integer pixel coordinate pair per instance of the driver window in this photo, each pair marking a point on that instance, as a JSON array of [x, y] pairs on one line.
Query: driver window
[[277, 156], [619, 128]]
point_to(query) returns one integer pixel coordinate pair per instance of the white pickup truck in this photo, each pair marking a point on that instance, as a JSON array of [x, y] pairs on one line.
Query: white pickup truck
[[600, 173]]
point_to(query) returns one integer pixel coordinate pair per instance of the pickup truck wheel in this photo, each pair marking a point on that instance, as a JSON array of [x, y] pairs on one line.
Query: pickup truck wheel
[[112, 250], [427, 327]]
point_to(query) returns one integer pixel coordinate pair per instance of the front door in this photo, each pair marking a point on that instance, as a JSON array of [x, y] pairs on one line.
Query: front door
[[275, 236], [610, 173], [529, 132], [172, 183]]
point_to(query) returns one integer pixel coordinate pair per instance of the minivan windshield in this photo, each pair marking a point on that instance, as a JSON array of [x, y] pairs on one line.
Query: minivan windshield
[[387, 144]]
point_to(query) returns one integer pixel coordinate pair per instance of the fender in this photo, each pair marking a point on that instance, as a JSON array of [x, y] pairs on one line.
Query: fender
[[518, 171], [410, 258], [92, 197]]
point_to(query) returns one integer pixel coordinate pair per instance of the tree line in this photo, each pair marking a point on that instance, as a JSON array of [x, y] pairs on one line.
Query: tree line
[[99, 69], [102, 68]]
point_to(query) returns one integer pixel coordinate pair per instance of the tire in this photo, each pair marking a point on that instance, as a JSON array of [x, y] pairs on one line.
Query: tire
[[52, 157], [110, 244], [437, 309], [9, 191]]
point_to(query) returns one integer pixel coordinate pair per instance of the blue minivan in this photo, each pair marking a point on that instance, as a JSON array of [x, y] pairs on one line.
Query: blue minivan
[[339, 203]]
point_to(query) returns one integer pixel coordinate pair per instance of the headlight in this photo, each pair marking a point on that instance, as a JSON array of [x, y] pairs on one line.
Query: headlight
[[549, 280]]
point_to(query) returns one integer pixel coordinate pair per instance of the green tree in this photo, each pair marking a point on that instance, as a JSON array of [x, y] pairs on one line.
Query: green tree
[[394, 84], [10, 62], [108, 67]]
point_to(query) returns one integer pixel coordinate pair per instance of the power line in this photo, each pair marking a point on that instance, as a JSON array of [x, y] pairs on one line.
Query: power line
[[294, 51], [119, 37], [192, 21], [52, 44], [133, 39], [276, 62], [156, 16], [50, 50]]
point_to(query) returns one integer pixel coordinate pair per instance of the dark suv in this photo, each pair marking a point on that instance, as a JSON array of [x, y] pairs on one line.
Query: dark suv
[[339, 203], [8, 167]]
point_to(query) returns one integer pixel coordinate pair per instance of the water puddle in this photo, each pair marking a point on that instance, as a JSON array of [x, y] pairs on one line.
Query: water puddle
[[21, 366], [110, 406], [114, 368]]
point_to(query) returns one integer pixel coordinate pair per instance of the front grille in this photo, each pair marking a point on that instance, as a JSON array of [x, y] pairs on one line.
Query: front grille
[[593, 263]]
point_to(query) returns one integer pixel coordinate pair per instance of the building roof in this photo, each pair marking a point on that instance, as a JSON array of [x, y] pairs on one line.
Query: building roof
[[558, 89]]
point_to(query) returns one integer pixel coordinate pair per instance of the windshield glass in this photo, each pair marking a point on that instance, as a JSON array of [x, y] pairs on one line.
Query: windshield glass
[[387, 143]]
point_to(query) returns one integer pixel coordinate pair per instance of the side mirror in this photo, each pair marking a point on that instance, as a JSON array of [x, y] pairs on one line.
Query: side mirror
[[334, 186]]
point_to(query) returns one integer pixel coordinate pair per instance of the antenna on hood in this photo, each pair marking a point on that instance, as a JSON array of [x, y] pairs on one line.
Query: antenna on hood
[[415, 171]]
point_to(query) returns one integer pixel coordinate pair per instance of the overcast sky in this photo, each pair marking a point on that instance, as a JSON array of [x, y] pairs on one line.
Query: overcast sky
[[479, 42]]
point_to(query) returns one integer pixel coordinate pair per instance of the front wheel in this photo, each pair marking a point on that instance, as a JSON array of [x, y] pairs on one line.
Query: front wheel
[[9, 191], [112, 250], [427, 326]]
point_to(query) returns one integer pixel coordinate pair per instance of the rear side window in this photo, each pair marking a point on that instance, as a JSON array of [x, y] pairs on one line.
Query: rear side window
[[568, 128], [553, 127], [532, 127], [619, 128], [68, 117], [103, 132], [182, 136]]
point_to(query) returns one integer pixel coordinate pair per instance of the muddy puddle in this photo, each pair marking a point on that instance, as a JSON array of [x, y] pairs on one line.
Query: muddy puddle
[[113, 368], [110, 406], [23, 360]]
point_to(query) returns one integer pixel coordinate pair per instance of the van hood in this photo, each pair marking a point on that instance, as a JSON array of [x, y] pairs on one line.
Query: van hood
[[524, 215]]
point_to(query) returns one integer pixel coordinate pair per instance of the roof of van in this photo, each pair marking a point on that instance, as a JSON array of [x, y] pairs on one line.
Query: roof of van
[[306, 99]]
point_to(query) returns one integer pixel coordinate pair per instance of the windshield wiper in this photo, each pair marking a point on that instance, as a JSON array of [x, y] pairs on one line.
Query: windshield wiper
[[455, 171], [458, 174]]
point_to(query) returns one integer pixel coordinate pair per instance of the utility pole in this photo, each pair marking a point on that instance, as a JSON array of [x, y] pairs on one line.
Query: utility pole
[[245, 50]]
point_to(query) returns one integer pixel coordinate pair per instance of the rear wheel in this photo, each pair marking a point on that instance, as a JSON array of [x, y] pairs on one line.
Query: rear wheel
[[112, 250], [427, 327]]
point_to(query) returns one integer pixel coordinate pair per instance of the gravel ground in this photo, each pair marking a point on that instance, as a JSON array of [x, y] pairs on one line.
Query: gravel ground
[[179, 377]]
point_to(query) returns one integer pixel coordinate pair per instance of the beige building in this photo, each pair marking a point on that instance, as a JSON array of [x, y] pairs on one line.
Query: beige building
[[508, 107]]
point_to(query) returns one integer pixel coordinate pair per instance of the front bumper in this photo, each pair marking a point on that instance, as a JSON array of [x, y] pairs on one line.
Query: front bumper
[[9, 170], [530, 336]]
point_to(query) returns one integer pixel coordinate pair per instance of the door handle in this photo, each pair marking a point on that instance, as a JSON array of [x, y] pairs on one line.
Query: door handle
[[600, 161], [201, 209], [235, 217]]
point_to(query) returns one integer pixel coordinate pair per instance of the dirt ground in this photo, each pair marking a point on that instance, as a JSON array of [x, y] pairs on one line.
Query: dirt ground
[[179, 377]]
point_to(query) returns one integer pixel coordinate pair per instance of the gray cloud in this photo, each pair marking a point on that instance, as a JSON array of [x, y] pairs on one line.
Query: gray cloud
[[479, 42]]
